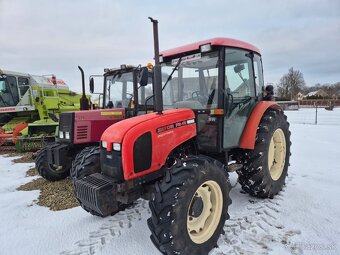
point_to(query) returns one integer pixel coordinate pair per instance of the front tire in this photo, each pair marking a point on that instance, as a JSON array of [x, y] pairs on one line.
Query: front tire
[[49, 171], [190, 207], [266, 167], [87, 162]]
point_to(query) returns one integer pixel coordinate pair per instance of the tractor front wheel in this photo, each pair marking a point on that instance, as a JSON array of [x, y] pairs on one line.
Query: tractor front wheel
[[49, 171], [265, 168], [87, 162], [190, 207]]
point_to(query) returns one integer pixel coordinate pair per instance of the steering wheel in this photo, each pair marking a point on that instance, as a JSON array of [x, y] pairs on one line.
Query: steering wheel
[[197, 96]]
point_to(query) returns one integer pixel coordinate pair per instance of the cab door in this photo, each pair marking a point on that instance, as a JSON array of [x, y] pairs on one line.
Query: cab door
[[240, 94]]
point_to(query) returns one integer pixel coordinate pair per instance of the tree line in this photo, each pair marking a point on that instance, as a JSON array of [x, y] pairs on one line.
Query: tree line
[[293, 82]]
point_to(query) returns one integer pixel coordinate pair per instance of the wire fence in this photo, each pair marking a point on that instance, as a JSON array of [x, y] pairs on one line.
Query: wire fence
[[314, 116]]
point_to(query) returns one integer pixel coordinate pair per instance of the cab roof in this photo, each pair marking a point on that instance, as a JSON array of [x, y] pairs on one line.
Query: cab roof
[[219, 41]]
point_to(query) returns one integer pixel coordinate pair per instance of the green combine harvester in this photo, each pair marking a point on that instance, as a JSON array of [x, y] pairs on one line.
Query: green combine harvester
[[29, 109]]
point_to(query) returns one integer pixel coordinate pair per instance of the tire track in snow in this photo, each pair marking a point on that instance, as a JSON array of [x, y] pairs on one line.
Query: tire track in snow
[[257, 229], [111, 229], [254, 230]]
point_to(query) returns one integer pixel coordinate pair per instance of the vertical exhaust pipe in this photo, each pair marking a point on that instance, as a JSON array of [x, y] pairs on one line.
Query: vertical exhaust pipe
[[84, 102], [157, 70]]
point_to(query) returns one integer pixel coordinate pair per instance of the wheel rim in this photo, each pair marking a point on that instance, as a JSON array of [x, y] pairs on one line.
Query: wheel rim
[[204, 212], [277, 154]]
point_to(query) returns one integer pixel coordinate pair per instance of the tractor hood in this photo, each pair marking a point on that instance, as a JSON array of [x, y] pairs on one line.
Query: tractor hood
[[116, 132]]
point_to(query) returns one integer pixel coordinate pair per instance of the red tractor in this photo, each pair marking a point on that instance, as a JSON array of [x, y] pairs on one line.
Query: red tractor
[[124, 94], [210, 119]]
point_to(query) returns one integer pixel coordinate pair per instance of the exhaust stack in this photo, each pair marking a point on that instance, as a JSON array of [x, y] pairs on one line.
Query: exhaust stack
[[157, 70], [84, 102]]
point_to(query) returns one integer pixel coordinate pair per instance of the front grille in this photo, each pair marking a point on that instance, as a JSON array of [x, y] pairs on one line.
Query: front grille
[[82, 132], [66, 121], [111, 164]]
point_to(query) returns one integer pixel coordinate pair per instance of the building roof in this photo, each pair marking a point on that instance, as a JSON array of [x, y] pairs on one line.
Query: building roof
[[220, 41], [319, 92]]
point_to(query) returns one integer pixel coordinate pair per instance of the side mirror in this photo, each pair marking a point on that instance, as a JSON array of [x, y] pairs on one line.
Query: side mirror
[[143, 76], [91, 85], [238, 68]]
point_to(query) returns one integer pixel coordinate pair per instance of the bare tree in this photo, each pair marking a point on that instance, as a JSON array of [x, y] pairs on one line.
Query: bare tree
[[291, 83]]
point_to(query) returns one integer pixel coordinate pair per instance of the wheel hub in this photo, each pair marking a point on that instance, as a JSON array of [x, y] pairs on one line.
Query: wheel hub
[[204, 212], [277, 154]]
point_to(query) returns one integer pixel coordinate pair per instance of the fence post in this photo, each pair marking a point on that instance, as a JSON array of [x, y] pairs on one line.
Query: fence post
[[316, 114]]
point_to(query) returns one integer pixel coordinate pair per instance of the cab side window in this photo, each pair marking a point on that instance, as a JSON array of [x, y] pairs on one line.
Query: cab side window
[[13, 86], [23, 85], [239, 74], [258, 75]]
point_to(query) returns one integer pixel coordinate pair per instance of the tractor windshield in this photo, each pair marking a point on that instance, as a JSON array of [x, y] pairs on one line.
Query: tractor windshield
[[193, 84], [8, 91], [119, 92]]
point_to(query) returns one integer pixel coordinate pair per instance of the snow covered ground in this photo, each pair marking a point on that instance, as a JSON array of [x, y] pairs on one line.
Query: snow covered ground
[[303, 219]]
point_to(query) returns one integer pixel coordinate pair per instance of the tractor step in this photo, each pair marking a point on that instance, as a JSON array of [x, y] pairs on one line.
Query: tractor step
[[234, 167]]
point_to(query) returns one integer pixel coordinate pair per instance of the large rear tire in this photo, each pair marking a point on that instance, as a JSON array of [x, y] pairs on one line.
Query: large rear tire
[[49, 171], [265, 168], [190, 207]]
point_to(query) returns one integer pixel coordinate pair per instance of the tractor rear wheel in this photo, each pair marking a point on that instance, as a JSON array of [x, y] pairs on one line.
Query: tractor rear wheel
[[49, 171], [190, 206], [265, 168]]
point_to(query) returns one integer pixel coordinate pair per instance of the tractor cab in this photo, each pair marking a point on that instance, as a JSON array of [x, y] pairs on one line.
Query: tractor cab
[[220, 81], [124, 92], [9, 95], [121, 86], [15, 91]]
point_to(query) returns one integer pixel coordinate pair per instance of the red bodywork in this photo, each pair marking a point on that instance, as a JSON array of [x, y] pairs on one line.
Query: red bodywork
[[90, 125], [249, 132], [214, 41], [14, 135], [168, 130]]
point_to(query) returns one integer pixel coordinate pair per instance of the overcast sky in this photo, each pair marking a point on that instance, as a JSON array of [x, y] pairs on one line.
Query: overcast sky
[[45, 36]]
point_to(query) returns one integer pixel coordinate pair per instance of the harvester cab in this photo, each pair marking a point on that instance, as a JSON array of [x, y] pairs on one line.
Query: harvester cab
[[125, 92], [210, 119], [29, 108]]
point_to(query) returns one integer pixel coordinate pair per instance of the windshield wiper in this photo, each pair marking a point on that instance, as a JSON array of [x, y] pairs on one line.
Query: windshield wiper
[[173, 70], [169, 78]]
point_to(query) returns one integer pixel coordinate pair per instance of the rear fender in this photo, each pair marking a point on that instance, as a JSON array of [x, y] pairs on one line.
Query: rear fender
[[250, 130], [146, 146]]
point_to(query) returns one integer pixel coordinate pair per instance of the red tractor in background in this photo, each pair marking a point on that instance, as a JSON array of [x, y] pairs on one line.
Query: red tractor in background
[[210, 119], [124, 92]]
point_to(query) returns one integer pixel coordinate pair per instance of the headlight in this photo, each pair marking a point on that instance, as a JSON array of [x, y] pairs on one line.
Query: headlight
[[116, 146], [104, 144], [61, 134], [67, 135]]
